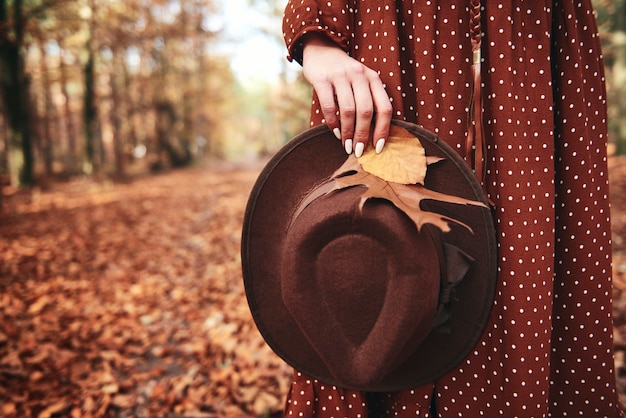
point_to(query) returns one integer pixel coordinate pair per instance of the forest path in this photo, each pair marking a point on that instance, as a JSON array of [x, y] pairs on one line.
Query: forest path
[[127, 300]]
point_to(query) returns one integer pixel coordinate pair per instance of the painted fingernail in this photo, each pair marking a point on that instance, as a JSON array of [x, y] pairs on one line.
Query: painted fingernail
[[337, 133], [358, 149], [379, 145], [348, 146]]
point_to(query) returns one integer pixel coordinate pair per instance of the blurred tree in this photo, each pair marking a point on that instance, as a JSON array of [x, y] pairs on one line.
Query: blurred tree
[[94, 154], [48, 113], [117, 107], [26, 24], [182, 67], [67, 32], [15, 90], [612, 24], [284, 107]]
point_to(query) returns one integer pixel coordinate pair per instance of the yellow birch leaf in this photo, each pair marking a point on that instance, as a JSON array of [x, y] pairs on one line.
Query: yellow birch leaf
[[403, 159]]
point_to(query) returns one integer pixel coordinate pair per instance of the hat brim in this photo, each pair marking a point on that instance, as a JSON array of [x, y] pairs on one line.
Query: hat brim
[[305, 162]]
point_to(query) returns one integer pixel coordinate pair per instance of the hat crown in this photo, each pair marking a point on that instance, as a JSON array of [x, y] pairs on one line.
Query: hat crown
[[344, 275]]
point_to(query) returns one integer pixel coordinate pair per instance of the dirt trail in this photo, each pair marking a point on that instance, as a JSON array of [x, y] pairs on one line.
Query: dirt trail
[[126, 300]]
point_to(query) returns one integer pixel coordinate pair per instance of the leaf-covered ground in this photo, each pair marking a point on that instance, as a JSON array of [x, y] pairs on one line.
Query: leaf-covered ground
[[126, 300]]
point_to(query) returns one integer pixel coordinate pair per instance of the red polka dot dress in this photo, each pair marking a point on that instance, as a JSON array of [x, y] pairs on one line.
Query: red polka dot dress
[[547, 349]]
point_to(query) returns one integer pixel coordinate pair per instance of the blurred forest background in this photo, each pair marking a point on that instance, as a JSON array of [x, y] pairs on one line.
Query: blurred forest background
[[121, 292], [96, 87]]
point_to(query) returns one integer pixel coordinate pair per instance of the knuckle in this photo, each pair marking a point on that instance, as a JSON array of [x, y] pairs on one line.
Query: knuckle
[[385, 109], [366, 112], [349, 111], [361, 136], [354, 70], [327, 108], [315, 79], [372, 74], [359, 68]]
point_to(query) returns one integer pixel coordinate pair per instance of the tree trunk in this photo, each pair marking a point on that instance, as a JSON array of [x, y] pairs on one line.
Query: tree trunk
[[15, 92], [116, 120], [93, 149], [90, 112], [72, 154], [131, 107], [48, 111]]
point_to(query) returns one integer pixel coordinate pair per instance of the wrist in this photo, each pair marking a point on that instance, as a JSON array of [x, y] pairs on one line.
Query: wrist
[[315, 41]]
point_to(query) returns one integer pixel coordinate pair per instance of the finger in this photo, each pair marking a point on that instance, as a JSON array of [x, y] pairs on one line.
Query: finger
[[328, 106], [384, 114], [364, 114], [345, 100]]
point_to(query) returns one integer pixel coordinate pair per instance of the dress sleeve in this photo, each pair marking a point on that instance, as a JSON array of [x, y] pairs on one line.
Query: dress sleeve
[[331, 17]]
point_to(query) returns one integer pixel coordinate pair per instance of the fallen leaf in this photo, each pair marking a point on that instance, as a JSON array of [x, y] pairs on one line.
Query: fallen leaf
[[11, 364], [402, 160], [39, 305], [123, 401], [8, 409], [110, 388], [55, 408]]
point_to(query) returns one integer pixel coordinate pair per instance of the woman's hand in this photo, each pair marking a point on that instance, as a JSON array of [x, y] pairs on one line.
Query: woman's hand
[[346, 86]]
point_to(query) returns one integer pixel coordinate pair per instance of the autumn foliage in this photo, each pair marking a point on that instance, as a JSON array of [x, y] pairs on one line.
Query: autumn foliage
[[124, 300]]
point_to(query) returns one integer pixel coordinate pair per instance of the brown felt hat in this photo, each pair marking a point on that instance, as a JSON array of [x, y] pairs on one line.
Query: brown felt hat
[[354, 292]]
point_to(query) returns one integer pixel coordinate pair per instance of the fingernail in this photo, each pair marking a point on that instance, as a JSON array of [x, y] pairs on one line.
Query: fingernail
[[337, 133], [358, 149], [379, 145], [348, 146]]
